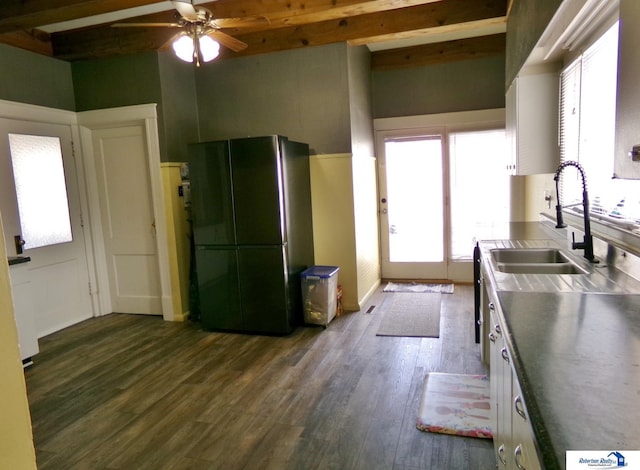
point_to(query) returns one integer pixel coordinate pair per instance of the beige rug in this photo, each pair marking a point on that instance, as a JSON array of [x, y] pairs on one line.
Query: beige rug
[[418, 287], [411, 315]]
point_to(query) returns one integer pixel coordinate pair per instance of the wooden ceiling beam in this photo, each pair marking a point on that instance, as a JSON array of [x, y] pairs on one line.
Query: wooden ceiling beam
[[16, 15], [387, 24], [33, 41], [431, 54], [105, 40]]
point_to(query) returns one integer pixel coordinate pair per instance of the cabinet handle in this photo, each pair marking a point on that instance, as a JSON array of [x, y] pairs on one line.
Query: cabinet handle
[[505, 355], [491, 306], [517, 453], [519, 406], [498, 329], [492, 337], [503, 461]]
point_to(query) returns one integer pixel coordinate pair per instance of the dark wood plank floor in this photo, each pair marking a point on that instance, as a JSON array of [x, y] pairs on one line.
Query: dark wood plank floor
[[135, 392]]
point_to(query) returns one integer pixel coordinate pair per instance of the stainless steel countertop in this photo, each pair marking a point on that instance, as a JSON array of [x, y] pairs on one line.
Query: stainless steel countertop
[[575, 342]]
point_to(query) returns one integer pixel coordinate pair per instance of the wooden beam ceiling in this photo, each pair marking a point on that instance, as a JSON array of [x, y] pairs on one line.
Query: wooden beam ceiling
[[288, 25], [438, 53]]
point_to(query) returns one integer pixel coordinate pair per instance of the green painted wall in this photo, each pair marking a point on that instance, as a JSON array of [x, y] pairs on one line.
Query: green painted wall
[[31, 78], [459, 86], [527, 21], [179, 106], [302, 94]]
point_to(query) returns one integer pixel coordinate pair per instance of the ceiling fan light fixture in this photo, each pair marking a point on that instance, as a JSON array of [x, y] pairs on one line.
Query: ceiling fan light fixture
[[209, 48], [205, 50], [183, 47]]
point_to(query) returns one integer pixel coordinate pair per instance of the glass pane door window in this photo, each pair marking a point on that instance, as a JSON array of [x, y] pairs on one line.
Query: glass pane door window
[[41, 190], [414, 194], [480, 202]]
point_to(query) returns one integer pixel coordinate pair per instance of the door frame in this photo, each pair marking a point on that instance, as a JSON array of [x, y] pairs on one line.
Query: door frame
[[457, 270], [413, 268], [146, 117]]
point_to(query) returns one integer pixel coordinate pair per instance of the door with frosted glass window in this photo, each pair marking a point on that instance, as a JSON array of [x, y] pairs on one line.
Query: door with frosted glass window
[[40, 201], [412, 206]]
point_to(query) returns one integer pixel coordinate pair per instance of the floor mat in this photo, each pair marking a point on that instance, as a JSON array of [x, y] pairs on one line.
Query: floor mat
[[456, 404], [416, 315], [417, 287]]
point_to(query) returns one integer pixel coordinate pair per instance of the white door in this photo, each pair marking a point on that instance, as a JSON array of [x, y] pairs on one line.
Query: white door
[[58, 273], [128, 221], [412, 205]]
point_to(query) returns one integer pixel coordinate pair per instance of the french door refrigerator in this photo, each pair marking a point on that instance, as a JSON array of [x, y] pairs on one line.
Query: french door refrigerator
[[253, 233]]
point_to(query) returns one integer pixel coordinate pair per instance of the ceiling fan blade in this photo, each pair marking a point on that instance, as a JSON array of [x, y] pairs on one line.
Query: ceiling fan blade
[[146, 25], [236, 45], [246, 22], [186, 9]]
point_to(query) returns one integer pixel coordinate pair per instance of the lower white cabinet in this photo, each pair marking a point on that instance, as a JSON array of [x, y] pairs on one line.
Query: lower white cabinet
[[512, 433]]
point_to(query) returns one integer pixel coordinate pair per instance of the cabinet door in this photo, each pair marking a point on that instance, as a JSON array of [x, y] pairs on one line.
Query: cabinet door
[[628, 101], [501, 389], [218, 288], [258, 191], [264, 290], [211, 197], [532, 123], [524, 450]]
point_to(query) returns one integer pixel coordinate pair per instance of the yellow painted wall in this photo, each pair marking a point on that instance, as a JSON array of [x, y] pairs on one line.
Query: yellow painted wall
[[178, 233], [535, 188], [365, 194], [16, 439], [333, 220], [345, 225]]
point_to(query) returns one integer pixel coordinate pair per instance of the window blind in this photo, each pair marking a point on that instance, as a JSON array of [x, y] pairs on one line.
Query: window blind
[[587, 121]]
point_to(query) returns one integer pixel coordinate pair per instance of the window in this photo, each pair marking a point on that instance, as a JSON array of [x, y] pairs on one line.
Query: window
[[40, 189], [587, 131], [480, 202]]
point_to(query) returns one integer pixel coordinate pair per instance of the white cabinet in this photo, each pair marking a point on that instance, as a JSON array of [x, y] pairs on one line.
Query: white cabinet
[[628, 99], [24, 312], [524, 450], [512, 433], [532, 124], [500, 386]]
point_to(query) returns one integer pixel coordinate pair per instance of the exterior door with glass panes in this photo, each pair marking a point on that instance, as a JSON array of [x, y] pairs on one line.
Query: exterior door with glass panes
[[441, 190], [41, 211], [412, 205]]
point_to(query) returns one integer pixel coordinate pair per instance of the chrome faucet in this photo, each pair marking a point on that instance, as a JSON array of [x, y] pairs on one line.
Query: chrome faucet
[[587, 243]]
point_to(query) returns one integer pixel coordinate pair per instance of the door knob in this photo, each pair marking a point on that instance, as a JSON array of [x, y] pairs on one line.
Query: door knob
[[19, 244]]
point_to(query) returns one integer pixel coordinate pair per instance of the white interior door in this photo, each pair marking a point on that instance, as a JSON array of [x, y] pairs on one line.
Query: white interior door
[[58, 273], [412, 205], [128, 221]]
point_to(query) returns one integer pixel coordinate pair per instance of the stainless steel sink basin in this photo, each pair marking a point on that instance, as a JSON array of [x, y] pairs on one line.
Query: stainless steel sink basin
[[540, 268], [528, 255], [534, 261]]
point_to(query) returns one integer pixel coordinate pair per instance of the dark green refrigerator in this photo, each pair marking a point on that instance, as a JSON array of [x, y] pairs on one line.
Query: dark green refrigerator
[[253, 233]]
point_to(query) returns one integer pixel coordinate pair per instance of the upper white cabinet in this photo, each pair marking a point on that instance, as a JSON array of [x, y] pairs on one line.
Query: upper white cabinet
[[532, 124], [628, 100]]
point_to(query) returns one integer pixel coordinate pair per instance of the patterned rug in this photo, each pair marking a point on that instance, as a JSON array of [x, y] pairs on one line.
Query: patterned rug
[[418, 287], [456, 404]]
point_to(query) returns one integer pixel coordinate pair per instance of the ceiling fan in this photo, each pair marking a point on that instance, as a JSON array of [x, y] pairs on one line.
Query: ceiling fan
[[201, 36]]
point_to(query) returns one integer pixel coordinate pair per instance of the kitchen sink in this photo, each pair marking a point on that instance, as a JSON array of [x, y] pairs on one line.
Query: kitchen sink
[[529, 255], [540, 268], [534, 261]]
